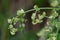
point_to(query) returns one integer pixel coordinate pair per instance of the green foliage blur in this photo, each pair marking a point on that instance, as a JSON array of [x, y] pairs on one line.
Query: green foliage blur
[[41, 3], [4, 14]]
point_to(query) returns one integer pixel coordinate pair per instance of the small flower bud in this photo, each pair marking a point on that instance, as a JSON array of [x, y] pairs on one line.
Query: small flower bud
[[9, 21], [10, 26], [54, 3], [20, 12]]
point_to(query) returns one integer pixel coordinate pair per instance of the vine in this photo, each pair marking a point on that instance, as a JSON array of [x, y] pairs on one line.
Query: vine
[[47, 30]]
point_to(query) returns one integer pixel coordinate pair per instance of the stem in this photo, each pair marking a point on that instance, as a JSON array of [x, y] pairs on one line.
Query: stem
[[57, 33], [41, 8]]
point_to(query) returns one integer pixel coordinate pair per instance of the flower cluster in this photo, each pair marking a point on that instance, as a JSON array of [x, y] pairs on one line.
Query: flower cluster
[[14, 20], [40, 17]]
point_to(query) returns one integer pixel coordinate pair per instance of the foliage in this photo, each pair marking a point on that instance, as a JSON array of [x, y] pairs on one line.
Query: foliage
[[48, 31], [51, 29], [20, 17], [40, 3]]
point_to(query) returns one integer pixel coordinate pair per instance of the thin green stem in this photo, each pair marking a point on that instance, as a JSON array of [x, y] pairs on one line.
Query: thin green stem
[[41, 8], [57, 33]]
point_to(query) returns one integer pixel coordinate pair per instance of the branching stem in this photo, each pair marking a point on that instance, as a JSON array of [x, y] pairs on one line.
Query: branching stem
[[41, 8]]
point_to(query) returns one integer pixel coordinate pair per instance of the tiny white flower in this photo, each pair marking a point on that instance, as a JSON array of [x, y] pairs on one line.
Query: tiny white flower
[[20, 12], [15, 20], [10, 26], [9, 21], [12, 33], [14, 30], [23, 25], [44, 13]]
